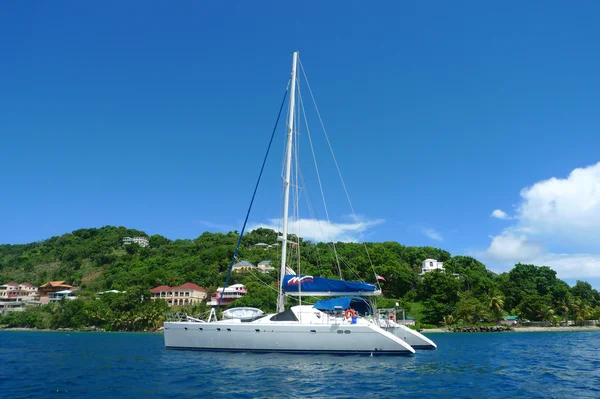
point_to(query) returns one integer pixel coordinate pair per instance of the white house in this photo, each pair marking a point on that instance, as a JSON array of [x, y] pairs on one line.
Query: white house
[[141, 241], [430, 265], [230, 294], [243, 266], [265, 266], [57, 296]]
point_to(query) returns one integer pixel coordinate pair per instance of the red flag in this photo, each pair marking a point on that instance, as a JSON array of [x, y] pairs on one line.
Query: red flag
[[380, 278]]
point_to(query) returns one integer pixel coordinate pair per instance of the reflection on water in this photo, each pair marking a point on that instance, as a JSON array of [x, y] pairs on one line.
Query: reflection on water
[[530, 365]]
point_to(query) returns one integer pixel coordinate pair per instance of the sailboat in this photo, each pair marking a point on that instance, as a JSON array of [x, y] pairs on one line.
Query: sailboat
[[300, 328]]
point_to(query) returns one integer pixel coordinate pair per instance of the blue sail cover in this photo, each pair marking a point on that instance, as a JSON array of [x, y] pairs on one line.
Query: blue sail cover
[[320, 286], [361, 305]]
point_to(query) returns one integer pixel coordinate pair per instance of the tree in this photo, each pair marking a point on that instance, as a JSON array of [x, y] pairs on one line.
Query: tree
[[434, 311], [496, 306]]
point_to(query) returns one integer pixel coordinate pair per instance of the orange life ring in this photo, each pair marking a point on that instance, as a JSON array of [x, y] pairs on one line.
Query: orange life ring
[[350, 314]]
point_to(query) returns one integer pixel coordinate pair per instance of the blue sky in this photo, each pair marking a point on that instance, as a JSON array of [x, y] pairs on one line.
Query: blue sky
[[155, 116]]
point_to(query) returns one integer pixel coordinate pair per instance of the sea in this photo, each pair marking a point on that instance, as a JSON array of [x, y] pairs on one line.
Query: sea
[[136, 365]]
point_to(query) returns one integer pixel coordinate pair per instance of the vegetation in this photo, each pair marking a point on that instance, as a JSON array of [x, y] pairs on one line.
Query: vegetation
[[130, 311], [95, 260]]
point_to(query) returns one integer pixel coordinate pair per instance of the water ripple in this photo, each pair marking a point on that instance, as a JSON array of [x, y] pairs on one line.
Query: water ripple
[[99, 365]]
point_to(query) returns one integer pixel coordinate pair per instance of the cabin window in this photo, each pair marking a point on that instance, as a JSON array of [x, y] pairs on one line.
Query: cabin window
[[287, 315]]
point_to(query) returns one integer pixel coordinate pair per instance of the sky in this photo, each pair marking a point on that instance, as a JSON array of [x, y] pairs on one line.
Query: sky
[[466, 126]]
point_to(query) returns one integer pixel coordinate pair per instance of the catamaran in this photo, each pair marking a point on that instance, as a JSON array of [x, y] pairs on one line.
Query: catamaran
[[334, 329]]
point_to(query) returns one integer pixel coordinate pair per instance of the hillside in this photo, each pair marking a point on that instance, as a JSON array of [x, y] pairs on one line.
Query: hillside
[[95, 260]]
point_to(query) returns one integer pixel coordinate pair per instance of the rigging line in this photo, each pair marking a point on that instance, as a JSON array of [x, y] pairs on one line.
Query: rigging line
[[298, 188], [253, 274], [319, 180], [338, 169], [327, 244], [262, 168], [312, 214]]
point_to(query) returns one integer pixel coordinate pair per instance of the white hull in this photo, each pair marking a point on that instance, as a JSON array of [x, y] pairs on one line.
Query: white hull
[[308, 335], [411, 337]]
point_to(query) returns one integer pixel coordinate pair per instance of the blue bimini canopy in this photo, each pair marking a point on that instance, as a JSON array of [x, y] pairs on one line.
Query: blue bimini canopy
[[361, 305], [320, 286]]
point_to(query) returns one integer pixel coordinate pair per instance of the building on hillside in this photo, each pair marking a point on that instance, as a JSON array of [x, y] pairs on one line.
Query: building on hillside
[[141, 241], [230, 294], [53, 286], [9, 290], [430, 265], [59, 295], [243, 266], [261, 245], [28, 290], [185, 294], [111, 292], [15, 296], [265, 266]]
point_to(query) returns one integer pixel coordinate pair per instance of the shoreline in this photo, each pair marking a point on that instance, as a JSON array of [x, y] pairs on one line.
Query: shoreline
[[425, 331], [524, 329], [86, 330]]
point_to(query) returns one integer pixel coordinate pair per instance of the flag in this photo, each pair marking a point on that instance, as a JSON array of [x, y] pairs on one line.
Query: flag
[[380, 277], [294, 246]]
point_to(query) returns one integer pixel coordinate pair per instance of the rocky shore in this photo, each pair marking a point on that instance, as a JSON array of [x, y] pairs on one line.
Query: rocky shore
[[511, 329], [481, 329]]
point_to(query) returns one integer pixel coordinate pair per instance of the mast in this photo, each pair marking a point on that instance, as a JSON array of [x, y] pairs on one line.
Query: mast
[[286, 184]]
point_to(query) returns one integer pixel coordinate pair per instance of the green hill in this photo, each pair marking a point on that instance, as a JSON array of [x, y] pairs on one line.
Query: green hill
[[95, 260]]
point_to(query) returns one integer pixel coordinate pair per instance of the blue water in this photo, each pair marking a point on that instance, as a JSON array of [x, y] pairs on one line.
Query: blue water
[[130, 365]]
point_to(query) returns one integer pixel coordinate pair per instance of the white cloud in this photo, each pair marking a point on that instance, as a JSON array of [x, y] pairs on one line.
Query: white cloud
[[322, 230], [564, 207], [431, 233], [555, 212], [571, 265], [500, 214], [509, 246]]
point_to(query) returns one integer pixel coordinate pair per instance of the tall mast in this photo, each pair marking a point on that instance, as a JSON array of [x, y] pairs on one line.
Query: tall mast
[[286, 184]]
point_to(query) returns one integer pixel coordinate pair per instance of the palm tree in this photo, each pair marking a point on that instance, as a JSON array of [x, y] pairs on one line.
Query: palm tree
[[546, 313], [496, 306], [584, 313], [575, 308], [448, 320], [565, 307]]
